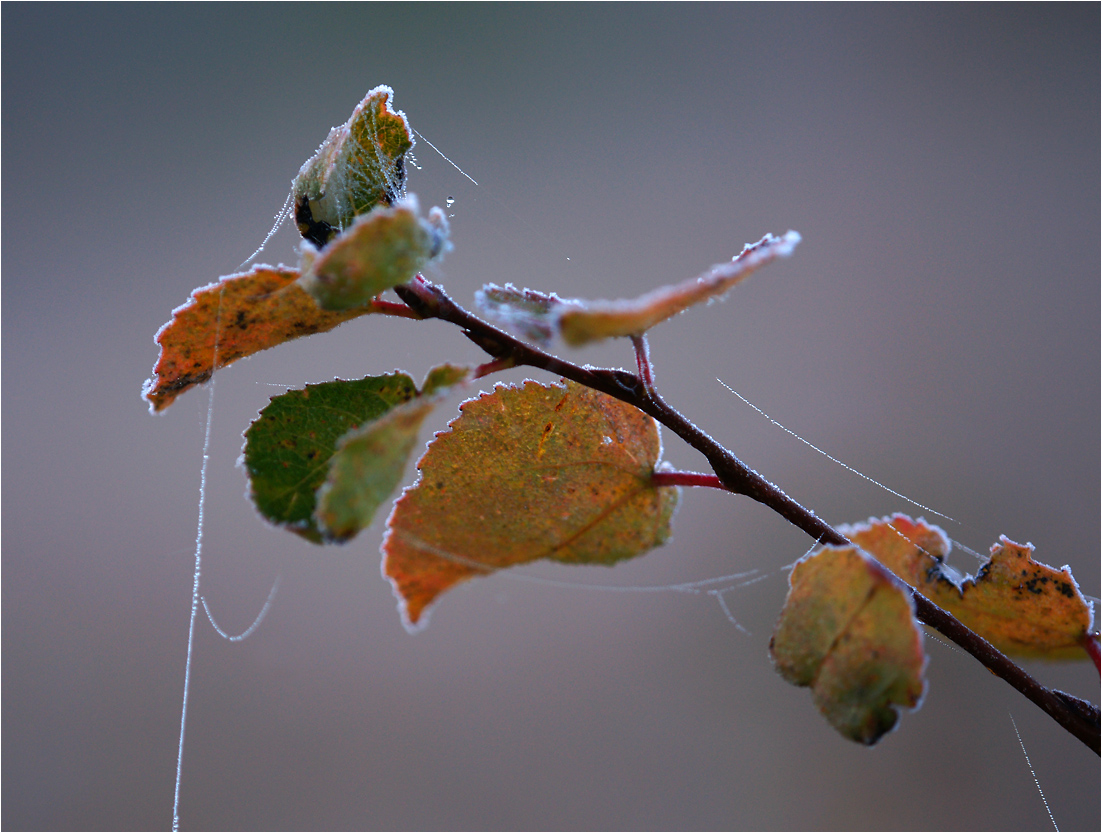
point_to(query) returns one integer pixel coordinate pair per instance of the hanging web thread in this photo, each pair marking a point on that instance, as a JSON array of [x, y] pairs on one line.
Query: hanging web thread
[[195, 597], [256, 622], [1034, 774], [198, 564]]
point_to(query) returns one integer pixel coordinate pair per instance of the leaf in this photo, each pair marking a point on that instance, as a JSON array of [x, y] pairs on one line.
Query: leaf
[[289, 445], [1021, 606], [607, 319], [360, 165], [383, 248], [848, 631], [532, 315], [537, 471], [369, 461], [241, 314], [537, 316]]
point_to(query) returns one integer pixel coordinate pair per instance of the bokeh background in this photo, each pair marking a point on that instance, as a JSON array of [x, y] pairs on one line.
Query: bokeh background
[[938, 329]]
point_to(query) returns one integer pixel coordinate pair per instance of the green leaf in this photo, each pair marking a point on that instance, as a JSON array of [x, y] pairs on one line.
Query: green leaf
[[442, 377], [360, 165], [384, 248], [848, 631], [537, 316], [537, 471], [289, 446], [1021, 606], [369, 461]]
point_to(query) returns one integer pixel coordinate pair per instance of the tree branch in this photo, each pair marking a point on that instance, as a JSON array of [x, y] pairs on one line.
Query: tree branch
[[430, 301]]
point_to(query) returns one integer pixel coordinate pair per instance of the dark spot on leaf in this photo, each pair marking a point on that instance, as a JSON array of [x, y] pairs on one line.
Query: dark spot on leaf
[[317, 232]]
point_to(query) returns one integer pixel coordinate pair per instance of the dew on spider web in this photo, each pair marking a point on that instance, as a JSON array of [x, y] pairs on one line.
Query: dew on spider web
[[283, 214], [1034, 774], [249, 631]]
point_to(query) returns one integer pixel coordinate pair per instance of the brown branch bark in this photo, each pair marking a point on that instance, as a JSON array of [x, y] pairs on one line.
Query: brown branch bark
[[1079, 718]]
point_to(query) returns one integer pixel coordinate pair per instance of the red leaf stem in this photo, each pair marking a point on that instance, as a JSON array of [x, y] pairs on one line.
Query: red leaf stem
[[686, 478]]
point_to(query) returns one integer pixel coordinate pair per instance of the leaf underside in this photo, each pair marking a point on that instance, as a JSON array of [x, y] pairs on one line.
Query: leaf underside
[[525, 473], [382, 249], [369, 461], [848, 632]]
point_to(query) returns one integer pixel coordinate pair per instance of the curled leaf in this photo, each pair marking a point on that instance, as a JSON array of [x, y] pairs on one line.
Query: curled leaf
[[848, 632], [595, 320], [1021, 606], [383, 248], [538, 316], [369, 461], [235, 317], [524, 473], [360, 165], [531, 315]]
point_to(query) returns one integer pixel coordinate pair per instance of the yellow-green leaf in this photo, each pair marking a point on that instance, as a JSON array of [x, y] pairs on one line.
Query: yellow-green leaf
[[848, 632], [537, 471], [369, 461], [383, 248], [239, 315], [360, 165], [1021, 606]]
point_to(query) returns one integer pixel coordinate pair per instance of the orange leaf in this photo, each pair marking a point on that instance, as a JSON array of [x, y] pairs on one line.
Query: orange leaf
[[526, 473], [593, 320], [537, 316], [242, 314], [1021, 606]]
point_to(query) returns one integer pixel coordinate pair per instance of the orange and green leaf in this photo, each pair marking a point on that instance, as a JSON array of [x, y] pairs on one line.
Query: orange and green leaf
[[360, 165], [530, 472], [1021, 606], [848, 632], [239, 315]]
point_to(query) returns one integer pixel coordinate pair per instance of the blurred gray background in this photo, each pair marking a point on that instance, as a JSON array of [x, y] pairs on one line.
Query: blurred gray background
[[938, 329]]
